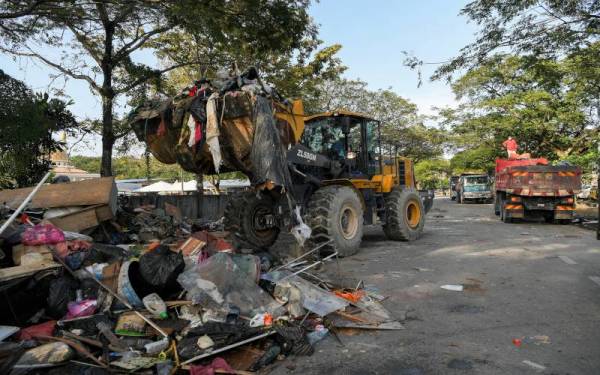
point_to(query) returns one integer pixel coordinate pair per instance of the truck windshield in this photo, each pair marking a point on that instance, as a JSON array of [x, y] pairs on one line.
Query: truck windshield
[[478, 180], [324, 137], [473, 188]]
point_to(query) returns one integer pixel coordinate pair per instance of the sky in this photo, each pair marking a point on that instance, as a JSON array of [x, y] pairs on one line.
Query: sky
[[373, 34]]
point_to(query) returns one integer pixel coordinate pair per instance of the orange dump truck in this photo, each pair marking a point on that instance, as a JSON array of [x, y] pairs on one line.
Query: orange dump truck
[[530, 188]]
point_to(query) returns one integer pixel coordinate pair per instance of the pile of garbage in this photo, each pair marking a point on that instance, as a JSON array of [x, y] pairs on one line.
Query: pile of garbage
[[173, 297], [234, 123]]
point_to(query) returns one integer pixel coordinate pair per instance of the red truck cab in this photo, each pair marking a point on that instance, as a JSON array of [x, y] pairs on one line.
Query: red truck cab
[[530, 188]]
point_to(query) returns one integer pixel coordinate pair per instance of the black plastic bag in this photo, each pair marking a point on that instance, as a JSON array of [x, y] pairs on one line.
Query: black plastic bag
[[268, 155], [62, 291], [160, 269]]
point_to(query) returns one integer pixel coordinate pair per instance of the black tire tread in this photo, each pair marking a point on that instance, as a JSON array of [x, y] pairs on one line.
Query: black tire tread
[[395, 227], [320, 218], [235, 214]]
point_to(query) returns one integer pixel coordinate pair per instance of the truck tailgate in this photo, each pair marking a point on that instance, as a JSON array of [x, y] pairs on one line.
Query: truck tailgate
[[540, 180]]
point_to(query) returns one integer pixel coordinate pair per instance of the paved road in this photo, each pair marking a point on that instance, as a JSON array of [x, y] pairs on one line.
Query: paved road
[[518, 285]]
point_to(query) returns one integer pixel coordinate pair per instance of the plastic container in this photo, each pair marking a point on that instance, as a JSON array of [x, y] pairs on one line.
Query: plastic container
[[155, 305], [125, 288], [157, 346], [317, 335]]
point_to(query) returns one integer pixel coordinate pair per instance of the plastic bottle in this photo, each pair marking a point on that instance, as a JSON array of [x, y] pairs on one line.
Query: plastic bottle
[[157, 346], [317, 335], [156, 305]]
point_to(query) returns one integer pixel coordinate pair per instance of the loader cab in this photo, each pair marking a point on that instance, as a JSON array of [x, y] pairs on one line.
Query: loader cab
[[349, 138]]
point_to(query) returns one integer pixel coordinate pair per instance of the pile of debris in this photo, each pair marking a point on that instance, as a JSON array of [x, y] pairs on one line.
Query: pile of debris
[[169, 297]]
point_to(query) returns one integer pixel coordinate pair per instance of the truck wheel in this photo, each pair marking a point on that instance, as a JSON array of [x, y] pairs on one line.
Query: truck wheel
[[335, 213], [404, 215], [247, 218], [503, 216]]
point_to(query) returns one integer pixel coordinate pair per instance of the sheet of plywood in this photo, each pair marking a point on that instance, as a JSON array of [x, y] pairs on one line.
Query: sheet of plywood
[[81, 193]]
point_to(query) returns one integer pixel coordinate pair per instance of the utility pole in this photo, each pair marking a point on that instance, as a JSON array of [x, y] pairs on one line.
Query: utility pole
[[598, 194]]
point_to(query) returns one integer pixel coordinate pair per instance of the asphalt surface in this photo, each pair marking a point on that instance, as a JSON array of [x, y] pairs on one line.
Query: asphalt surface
[[527, 281]]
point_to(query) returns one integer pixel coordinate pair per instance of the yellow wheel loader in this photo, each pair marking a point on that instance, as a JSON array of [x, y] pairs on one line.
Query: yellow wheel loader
[[327, 171], [342, 181]]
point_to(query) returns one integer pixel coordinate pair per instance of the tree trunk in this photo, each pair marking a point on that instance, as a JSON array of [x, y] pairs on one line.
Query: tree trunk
[[108, 137], [108, 95]]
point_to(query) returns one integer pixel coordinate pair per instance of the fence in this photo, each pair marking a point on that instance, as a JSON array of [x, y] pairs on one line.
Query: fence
[[213, 206]]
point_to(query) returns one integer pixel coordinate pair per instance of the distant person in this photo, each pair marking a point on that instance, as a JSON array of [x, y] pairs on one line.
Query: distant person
[[511, 148]]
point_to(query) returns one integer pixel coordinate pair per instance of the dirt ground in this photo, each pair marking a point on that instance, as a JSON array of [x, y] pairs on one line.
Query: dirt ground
[[528, 281]]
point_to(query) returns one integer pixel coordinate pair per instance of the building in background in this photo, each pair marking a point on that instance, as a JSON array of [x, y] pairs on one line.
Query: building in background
[[62, 167]]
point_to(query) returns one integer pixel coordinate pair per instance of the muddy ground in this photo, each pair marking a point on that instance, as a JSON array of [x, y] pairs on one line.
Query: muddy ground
[[528, 281]]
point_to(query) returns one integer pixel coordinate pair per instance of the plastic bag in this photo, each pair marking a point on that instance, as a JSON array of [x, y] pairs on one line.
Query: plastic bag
[[61, 291], [42, 234], [80, 309], [313, 298], [31, 332], [219, 278], [160, 268]]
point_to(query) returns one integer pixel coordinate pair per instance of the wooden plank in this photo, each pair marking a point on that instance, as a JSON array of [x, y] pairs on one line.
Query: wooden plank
[[88, 217], [12, 273], [81, 193]]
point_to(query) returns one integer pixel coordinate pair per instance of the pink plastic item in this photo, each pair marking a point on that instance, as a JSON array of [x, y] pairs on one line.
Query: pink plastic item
[[85, 307], [210, 369], [42, 234]]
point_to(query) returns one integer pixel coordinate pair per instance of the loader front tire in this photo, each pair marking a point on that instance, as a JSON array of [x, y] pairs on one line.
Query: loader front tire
[[335, 214], [245, 219], [404, 215]]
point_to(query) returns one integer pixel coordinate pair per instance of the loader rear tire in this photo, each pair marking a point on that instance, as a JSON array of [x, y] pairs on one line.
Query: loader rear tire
[[335, 214], [404, 215], [244, 216]]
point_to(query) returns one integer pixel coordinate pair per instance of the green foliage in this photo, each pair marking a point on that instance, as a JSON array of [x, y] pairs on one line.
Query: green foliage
[[546, 29], [537, 101], [433, 173], [479, 159], [27, 121]]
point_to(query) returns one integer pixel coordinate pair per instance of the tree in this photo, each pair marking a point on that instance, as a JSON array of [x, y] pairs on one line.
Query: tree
[[533, 101], [546, 29], [98, 39], [27, 121], [433, 173]]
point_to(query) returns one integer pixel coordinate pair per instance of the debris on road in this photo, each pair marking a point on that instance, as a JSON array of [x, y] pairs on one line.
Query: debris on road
[[452, 287], [141, 289], [534, 365], [537, 340]]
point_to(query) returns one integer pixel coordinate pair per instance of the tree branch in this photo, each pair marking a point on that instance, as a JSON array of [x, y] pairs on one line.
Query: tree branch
[[137, 43], [146, 78], [85, 42], [61, 69], [24, 12]]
